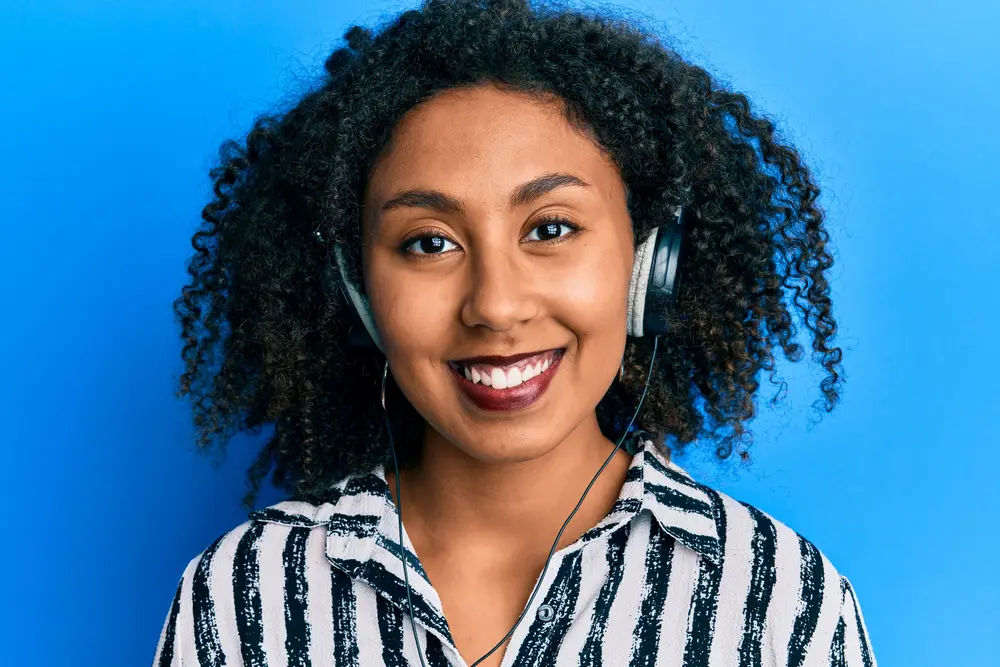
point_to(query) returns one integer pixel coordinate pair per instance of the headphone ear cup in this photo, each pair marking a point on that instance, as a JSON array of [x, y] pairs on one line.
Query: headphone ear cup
[[361, 332], [639, 284], [663, 280], [655, 279]]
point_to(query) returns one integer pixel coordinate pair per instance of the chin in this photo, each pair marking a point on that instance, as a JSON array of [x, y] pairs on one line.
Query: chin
[[507, 444]]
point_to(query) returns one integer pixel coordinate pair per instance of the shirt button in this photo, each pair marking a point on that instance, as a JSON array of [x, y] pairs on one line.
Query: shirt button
[[546, 613]]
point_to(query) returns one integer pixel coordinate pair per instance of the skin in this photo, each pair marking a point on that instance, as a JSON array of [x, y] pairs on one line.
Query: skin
[[493, 489]]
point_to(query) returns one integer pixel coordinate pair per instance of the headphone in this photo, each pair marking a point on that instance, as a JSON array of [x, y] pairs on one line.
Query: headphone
[[652, 289]]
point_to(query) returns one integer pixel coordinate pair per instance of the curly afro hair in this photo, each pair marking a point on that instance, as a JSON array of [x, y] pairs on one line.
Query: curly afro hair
[[294, 187]]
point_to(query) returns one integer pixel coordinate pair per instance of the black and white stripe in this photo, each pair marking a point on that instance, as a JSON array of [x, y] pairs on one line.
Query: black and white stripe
[[677, 574]]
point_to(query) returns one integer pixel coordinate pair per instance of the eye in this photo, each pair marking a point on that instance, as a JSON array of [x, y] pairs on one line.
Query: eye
[[552, 229], [428, 245]]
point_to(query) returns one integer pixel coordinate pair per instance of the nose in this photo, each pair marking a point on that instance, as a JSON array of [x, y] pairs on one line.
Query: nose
[[501, 291]]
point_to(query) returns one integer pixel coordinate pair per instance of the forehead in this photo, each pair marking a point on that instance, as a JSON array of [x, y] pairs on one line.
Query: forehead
[[484, 140]]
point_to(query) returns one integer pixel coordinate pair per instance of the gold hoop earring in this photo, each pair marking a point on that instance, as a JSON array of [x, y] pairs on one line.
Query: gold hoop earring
[[385, 373]]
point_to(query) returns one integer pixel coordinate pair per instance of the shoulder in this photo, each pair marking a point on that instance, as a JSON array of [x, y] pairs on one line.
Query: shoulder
[[273, 541], [745, 528], [749, 538], [291, 532], [222, 598], [779, 581], [279, 527], [774, 557]]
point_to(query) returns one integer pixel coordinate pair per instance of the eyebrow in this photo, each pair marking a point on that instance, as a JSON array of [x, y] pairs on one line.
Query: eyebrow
[[522, 194]]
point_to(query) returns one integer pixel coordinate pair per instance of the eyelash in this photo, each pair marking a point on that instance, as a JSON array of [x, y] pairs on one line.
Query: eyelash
[[541, 222]]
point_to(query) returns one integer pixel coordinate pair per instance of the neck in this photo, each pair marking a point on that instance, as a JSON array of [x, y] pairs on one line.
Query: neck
[[454, 504]]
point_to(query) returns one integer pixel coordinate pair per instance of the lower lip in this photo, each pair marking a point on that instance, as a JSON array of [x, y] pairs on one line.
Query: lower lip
[[520, 397]]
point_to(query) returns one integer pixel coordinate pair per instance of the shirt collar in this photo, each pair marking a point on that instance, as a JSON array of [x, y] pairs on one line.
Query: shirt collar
[[684, 508], [362, 523]]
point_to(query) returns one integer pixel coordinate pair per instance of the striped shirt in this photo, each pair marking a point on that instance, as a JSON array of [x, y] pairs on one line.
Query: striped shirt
[[676, 574]]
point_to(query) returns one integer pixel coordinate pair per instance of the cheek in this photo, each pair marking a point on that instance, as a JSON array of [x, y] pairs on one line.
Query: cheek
[[591, 296], [410, 319]]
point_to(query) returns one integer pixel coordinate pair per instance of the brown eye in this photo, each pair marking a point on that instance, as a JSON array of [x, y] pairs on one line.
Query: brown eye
[[427, 245], [552, 229]]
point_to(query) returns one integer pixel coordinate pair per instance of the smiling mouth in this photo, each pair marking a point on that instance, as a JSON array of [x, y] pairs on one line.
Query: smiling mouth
[[492, 385], [521, 369]]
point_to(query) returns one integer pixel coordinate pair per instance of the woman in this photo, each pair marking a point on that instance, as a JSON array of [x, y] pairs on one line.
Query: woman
[[425, 266]]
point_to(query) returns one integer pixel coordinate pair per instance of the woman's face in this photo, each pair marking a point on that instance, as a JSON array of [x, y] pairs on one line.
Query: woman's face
[[494, 229]]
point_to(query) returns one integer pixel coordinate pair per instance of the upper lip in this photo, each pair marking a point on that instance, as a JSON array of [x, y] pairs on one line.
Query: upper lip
[[496, 360]]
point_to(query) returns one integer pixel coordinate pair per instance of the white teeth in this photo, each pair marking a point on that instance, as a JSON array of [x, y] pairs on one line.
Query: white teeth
[[492, 376]]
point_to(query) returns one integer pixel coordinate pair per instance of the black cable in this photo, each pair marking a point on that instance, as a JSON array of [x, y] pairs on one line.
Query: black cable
[[399, 514]]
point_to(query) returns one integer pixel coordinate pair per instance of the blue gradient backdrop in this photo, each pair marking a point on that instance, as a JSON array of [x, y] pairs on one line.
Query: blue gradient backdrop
[[112, 114]]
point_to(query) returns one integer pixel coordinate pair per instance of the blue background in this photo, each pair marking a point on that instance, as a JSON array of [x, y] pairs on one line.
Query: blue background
[[112, 114]]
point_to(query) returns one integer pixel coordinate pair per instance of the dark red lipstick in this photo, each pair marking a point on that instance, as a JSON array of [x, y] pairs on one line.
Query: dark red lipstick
[[507, 399]]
